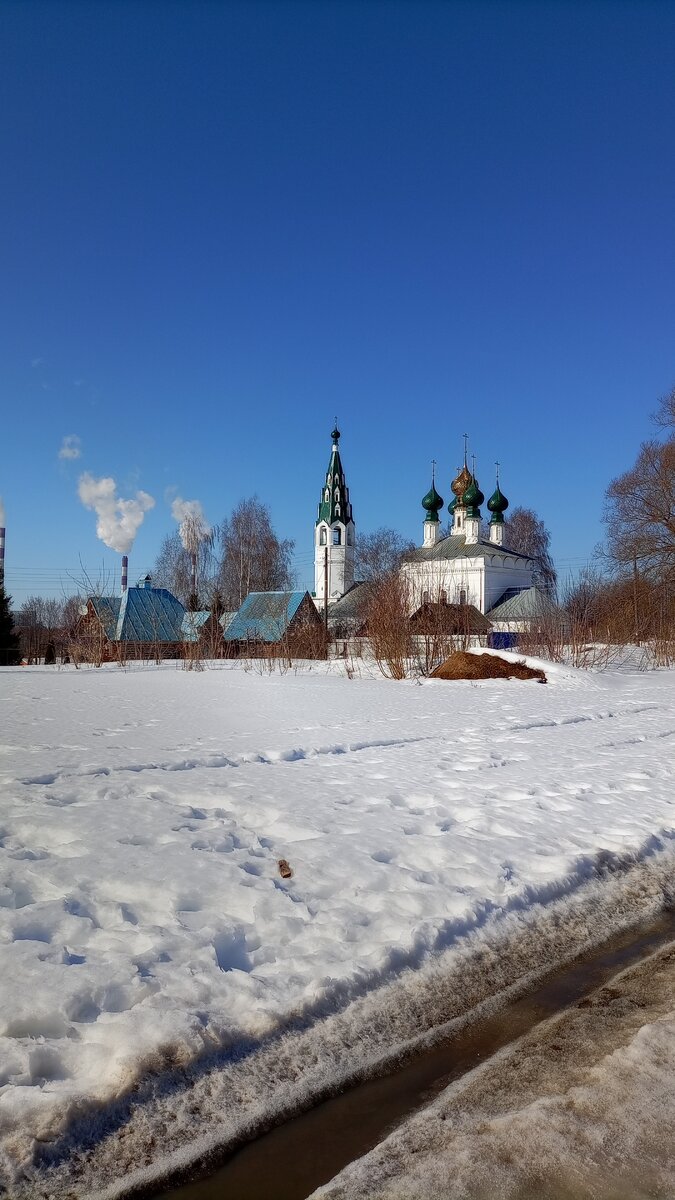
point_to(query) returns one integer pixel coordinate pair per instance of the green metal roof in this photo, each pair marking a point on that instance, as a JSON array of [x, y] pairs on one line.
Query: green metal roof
[[140, 614], [193, 623], [350, 610], [524, 606], [454, 546], [149, 614], [265, 616], [107, 609]]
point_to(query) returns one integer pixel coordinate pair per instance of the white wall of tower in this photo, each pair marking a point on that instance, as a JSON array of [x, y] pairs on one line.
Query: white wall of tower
[[339, 556]]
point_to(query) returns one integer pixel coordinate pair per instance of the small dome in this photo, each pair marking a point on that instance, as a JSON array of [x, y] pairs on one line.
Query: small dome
[[453, 505], [497, 503], [432, 502], [461, 483], [473, 497], [335, 434]]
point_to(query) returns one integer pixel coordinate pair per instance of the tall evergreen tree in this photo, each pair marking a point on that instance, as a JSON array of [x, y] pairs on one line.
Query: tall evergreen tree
[[9, 640]]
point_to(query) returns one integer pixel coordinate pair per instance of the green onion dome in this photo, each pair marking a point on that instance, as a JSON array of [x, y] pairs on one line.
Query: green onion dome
[[453, 505], [497, 505], [432, 502], [473, 498]]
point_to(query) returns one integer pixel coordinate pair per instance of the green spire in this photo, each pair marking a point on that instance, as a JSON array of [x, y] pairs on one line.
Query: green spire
[[432, 502], [497, 503], [334, 504]]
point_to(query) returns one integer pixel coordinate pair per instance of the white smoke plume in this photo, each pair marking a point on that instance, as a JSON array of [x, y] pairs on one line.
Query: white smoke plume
[[194, 527], [71, 447], [118, 520], [2, 514]]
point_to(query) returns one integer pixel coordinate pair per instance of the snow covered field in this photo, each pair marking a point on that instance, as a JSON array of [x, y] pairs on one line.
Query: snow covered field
[[144, 924]]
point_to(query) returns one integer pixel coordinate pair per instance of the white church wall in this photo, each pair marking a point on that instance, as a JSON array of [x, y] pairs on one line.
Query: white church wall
[[502, 573], [460, 579]]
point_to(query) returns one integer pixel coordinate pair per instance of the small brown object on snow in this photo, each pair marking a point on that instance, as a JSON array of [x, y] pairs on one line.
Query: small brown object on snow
[[284, 869], [461, 665]]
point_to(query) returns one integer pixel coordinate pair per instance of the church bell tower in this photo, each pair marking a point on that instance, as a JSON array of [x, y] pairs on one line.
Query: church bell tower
[[334, 533]]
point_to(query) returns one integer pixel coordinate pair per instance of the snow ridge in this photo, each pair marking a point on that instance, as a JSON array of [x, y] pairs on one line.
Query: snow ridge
[[177, 1117]]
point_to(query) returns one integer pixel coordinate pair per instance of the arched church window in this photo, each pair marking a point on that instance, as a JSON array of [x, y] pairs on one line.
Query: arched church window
[[444, 596], [337, 537], [425, 597], [322, 536], [462, 596]]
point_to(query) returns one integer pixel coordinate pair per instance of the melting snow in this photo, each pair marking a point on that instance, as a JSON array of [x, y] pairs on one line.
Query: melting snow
[[143, 814]]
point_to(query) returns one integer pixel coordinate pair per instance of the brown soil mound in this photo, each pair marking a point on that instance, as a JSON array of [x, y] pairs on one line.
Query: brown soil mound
[[484, 666]]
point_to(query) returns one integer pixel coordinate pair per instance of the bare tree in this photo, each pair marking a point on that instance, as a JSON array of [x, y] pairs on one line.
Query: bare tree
[[665, 414], [39, 621], [173, 568], [253, 558], [378, 554], [388, 625], [526, 533], [640, 513]]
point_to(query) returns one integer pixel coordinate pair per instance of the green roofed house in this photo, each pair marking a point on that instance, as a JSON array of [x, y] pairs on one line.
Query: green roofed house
[[517, 612], [288, 620], [143, 622]]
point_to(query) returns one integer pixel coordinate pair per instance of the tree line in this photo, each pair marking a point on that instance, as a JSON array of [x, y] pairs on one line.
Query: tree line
[[628, 595]]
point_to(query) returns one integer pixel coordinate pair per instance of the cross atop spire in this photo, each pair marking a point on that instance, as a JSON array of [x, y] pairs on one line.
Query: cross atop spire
[[466, 443]]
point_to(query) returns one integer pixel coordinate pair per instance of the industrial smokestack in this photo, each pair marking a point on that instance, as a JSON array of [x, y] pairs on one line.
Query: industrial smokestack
[[125, 573], [2, 543]]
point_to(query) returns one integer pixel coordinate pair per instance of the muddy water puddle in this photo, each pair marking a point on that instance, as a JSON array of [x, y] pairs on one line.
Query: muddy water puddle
[[295, 1158]]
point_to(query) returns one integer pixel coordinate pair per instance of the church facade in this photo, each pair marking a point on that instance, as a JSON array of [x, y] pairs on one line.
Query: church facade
[[462, 566]]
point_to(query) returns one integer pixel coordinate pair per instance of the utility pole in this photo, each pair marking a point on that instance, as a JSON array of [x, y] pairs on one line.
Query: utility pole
[[635, 600], [325, 590]]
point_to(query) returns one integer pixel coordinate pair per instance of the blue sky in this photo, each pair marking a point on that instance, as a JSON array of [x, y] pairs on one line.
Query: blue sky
[[224, 224]]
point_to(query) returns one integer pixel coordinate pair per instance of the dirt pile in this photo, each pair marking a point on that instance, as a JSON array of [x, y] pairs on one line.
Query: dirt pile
[[461, 665]]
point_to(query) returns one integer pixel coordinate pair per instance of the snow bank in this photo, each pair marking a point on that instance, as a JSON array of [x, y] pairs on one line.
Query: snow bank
[[144, 924]]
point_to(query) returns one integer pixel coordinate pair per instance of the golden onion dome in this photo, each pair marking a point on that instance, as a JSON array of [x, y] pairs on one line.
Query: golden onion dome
[[461, 483]]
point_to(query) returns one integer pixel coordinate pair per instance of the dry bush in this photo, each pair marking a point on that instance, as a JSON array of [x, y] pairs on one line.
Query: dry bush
[[388, 626], [620, 612], [439, 629], [462, 665]]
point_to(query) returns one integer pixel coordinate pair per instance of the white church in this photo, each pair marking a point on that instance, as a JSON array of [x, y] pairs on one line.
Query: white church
[[459, 567]]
